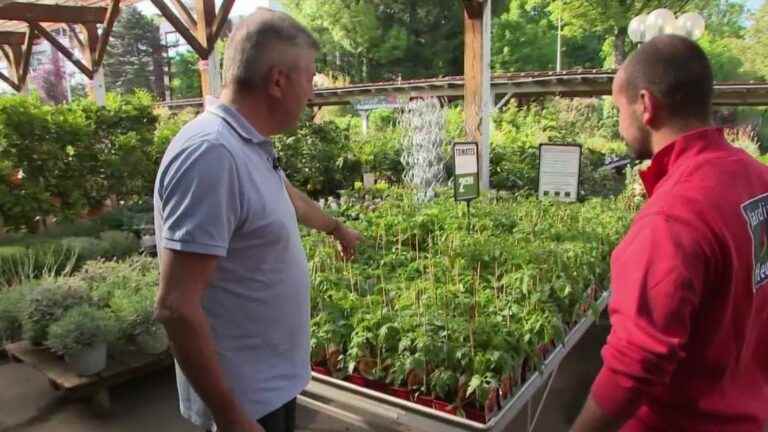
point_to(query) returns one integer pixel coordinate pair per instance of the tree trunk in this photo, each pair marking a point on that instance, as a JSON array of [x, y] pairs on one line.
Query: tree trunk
[[619, 48], [158, 69]]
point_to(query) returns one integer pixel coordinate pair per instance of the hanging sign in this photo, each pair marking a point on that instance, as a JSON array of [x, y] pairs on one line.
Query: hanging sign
[[466, 185], [376, 102], [559, 171]]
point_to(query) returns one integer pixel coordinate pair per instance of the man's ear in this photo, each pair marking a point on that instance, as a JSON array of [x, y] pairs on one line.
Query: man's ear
[[650, 106], [278, 81]]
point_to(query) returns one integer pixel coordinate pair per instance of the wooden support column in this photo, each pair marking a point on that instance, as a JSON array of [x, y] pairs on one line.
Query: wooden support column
[[210, 76], [477, 80], [201, 32]]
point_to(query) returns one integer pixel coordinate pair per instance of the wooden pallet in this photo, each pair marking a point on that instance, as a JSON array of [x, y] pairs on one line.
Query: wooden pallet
[[122, 366]]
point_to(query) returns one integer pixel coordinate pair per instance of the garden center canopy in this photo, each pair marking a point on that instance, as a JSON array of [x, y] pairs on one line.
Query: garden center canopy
[[90, 24]]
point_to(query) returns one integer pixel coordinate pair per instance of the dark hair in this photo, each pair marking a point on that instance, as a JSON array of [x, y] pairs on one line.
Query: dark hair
[[677, 71]]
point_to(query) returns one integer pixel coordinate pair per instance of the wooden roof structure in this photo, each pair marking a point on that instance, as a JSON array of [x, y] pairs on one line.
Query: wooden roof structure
[[571, 83], [90, 24]]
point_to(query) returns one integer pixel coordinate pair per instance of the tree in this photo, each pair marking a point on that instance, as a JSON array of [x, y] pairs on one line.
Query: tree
[[131, 61], [609, 17], [525, 39], [387, 39], [51, 80], [185, 76], [756, 46]]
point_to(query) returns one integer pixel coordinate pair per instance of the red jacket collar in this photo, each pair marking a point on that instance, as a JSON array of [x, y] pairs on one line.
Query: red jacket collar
[[683, 147]]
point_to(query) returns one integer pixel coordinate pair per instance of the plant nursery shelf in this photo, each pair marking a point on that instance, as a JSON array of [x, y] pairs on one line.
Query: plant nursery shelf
[[121, 366], [375, 411]]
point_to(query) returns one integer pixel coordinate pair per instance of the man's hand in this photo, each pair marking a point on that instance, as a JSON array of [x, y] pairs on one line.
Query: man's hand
[[348, 240]]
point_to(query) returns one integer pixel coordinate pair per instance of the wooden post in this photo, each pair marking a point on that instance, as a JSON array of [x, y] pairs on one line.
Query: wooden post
[[206, 14], [97, 89], [477, 80]]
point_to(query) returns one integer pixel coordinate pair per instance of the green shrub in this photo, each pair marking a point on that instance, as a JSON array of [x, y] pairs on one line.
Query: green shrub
[[135, 311], [11, 306], [106, 279], [87, 248], [47, 303], [379, 152], [317, 158], [169, 124], [80, 328], [120, 244], [79, 153], [44, 258]]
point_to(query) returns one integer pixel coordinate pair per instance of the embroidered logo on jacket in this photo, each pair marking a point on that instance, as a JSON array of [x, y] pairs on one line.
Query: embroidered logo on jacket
[[756, 213]]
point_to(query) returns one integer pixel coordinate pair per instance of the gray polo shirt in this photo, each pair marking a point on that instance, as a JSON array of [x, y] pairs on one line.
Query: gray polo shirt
[[218, 193]]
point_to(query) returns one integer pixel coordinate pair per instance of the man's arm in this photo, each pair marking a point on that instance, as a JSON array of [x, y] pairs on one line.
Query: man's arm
[[312, 216], [658, 274], [183, 279], [593, 419]]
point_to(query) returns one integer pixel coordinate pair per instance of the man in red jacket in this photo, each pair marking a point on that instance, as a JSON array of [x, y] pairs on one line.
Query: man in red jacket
[[688, 349]]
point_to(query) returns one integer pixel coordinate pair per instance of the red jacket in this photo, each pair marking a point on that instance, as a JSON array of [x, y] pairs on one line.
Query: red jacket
[[688, 349]]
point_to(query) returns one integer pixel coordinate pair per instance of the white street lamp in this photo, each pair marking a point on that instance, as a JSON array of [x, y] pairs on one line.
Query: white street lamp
[[643, 28]]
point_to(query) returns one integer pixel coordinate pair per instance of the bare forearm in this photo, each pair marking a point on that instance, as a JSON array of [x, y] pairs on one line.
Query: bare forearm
[[593, 419], [309, 213], [194, 349]]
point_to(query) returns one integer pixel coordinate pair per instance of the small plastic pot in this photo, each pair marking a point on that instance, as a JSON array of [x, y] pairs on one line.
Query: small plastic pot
[[400, 393], [444, 407], [321, 370], [475, 414], [426, 401], [357, 379]]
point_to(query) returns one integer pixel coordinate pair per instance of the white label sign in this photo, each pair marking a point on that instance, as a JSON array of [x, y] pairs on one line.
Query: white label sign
[[466, 158], [559, 170]]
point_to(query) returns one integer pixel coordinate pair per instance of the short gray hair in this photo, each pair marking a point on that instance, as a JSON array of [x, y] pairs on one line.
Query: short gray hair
[[254, 46]]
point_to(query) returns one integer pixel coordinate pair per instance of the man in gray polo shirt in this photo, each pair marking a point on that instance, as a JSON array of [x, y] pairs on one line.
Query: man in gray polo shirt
[[234, 286]]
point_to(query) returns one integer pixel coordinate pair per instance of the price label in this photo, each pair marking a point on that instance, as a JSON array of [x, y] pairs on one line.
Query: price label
[[466, 186]]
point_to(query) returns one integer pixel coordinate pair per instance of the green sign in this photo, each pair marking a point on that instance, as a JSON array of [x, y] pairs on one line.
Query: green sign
[[466, 184]]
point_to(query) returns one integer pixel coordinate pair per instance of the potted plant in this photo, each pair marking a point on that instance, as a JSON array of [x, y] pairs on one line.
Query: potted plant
[[81, 336], [46, 303], [135, 313]]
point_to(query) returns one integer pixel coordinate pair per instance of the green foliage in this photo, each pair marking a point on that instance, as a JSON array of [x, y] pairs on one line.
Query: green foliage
[[385, 39], [426, 303], [119, 244], [40, 259], [11, 304], [86, 248], [47, 303], [135, 51], [73, 156], [757, 42], [521, 129], [81, 328], [317, 158], [185, 82], [168, 125], [524, 39]]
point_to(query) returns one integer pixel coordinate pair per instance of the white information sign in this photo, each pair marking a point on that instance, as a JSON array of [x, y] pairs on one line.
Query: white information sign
[[466, 178], [559, 171]]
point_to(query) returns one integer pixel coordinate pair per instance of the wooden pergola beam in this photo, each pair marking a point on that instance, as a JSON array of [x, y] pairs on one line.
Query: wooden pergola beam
[[66, 52], [178, 25], [185, 14], [106, 32], [18, 57], [221, 20], [12, 38], [40, 12]]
